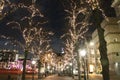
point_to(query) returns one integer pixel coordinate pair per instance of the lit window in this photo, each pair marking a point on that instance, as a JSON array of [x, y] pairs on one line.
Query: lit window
[[92, 51], [91, 68]]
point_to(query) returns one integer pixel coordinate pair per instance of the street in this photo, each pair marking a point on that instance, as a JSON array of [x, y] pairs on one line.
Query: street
[[56, 77], [91, 77]]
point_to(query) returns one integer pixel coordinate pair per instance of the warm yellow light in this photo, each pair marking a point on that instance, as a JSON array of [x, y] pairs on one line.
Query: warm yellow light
[[42, 70], [91, 68], [48, 67], [33, 62], [83, 53], [92, 51], [91, 44], [1, 5], [70, 64]]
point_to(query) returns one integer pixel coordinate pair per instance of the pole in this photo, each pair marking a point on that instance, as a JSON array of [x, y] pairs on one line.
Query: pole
[[33, 73], [33, 68], [24, 64], [87, 64], [39, 67], [78, 64], [72, 66], [87, 77], [84, 68]]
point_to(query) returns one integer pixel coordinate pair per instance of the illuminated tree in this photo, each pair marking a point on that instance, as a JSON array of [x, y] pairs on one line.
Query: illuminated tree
[[23, 15], [79, 12], [29, 36], [41, 44]]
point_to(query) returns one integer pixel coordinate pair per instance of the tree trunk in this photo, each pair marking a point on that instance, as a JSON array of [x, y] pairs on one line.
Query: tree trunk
[[103, 53], [78, 64], [39, 67], [98, 18], [72, 67], [24, 65], [78, 58]]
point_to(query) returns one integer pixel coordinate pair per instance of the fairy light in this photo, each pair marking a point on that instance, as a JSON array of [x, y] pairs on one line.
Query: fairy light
[[1, 5]]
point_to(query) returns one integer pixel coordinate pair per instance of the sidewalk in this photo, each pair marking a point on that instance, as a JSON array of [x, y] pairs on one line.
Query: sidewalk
[[99, 77], [91, 77], [95, 76], [114, 77]]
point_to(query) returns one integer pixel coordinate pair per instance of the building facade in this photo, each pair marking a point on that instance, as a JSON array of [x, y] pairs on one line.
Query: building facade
[[97, 64], [112, 37]]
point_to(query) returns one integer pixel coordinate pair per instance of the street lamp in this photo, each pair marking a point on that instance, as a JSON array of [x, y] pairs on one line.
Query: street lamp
[[33, 66], [71, 68], [83, 54], [91, 43]]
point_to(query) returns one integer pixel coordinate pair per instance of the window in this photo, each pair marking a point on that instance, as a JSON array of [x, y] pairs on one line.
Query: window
[[115, 39], [117, 54]]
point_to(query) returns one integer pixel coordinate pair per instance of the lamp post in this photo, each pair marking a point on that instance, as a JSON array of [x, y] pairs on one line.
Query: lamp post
[[71, 69], [83, 54], [33, 67]]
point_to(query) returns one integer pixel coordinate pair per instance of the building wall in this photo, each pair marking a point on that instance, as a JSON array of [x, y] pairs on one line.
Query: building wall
[[112, 37], [95, 40], [112, 34], [116, 56], [94, 57], [116, 5]]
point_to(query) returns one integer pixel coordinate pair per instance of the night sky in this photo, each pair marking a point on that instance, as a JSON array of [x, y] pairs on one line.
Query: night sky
[[54, 12]]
